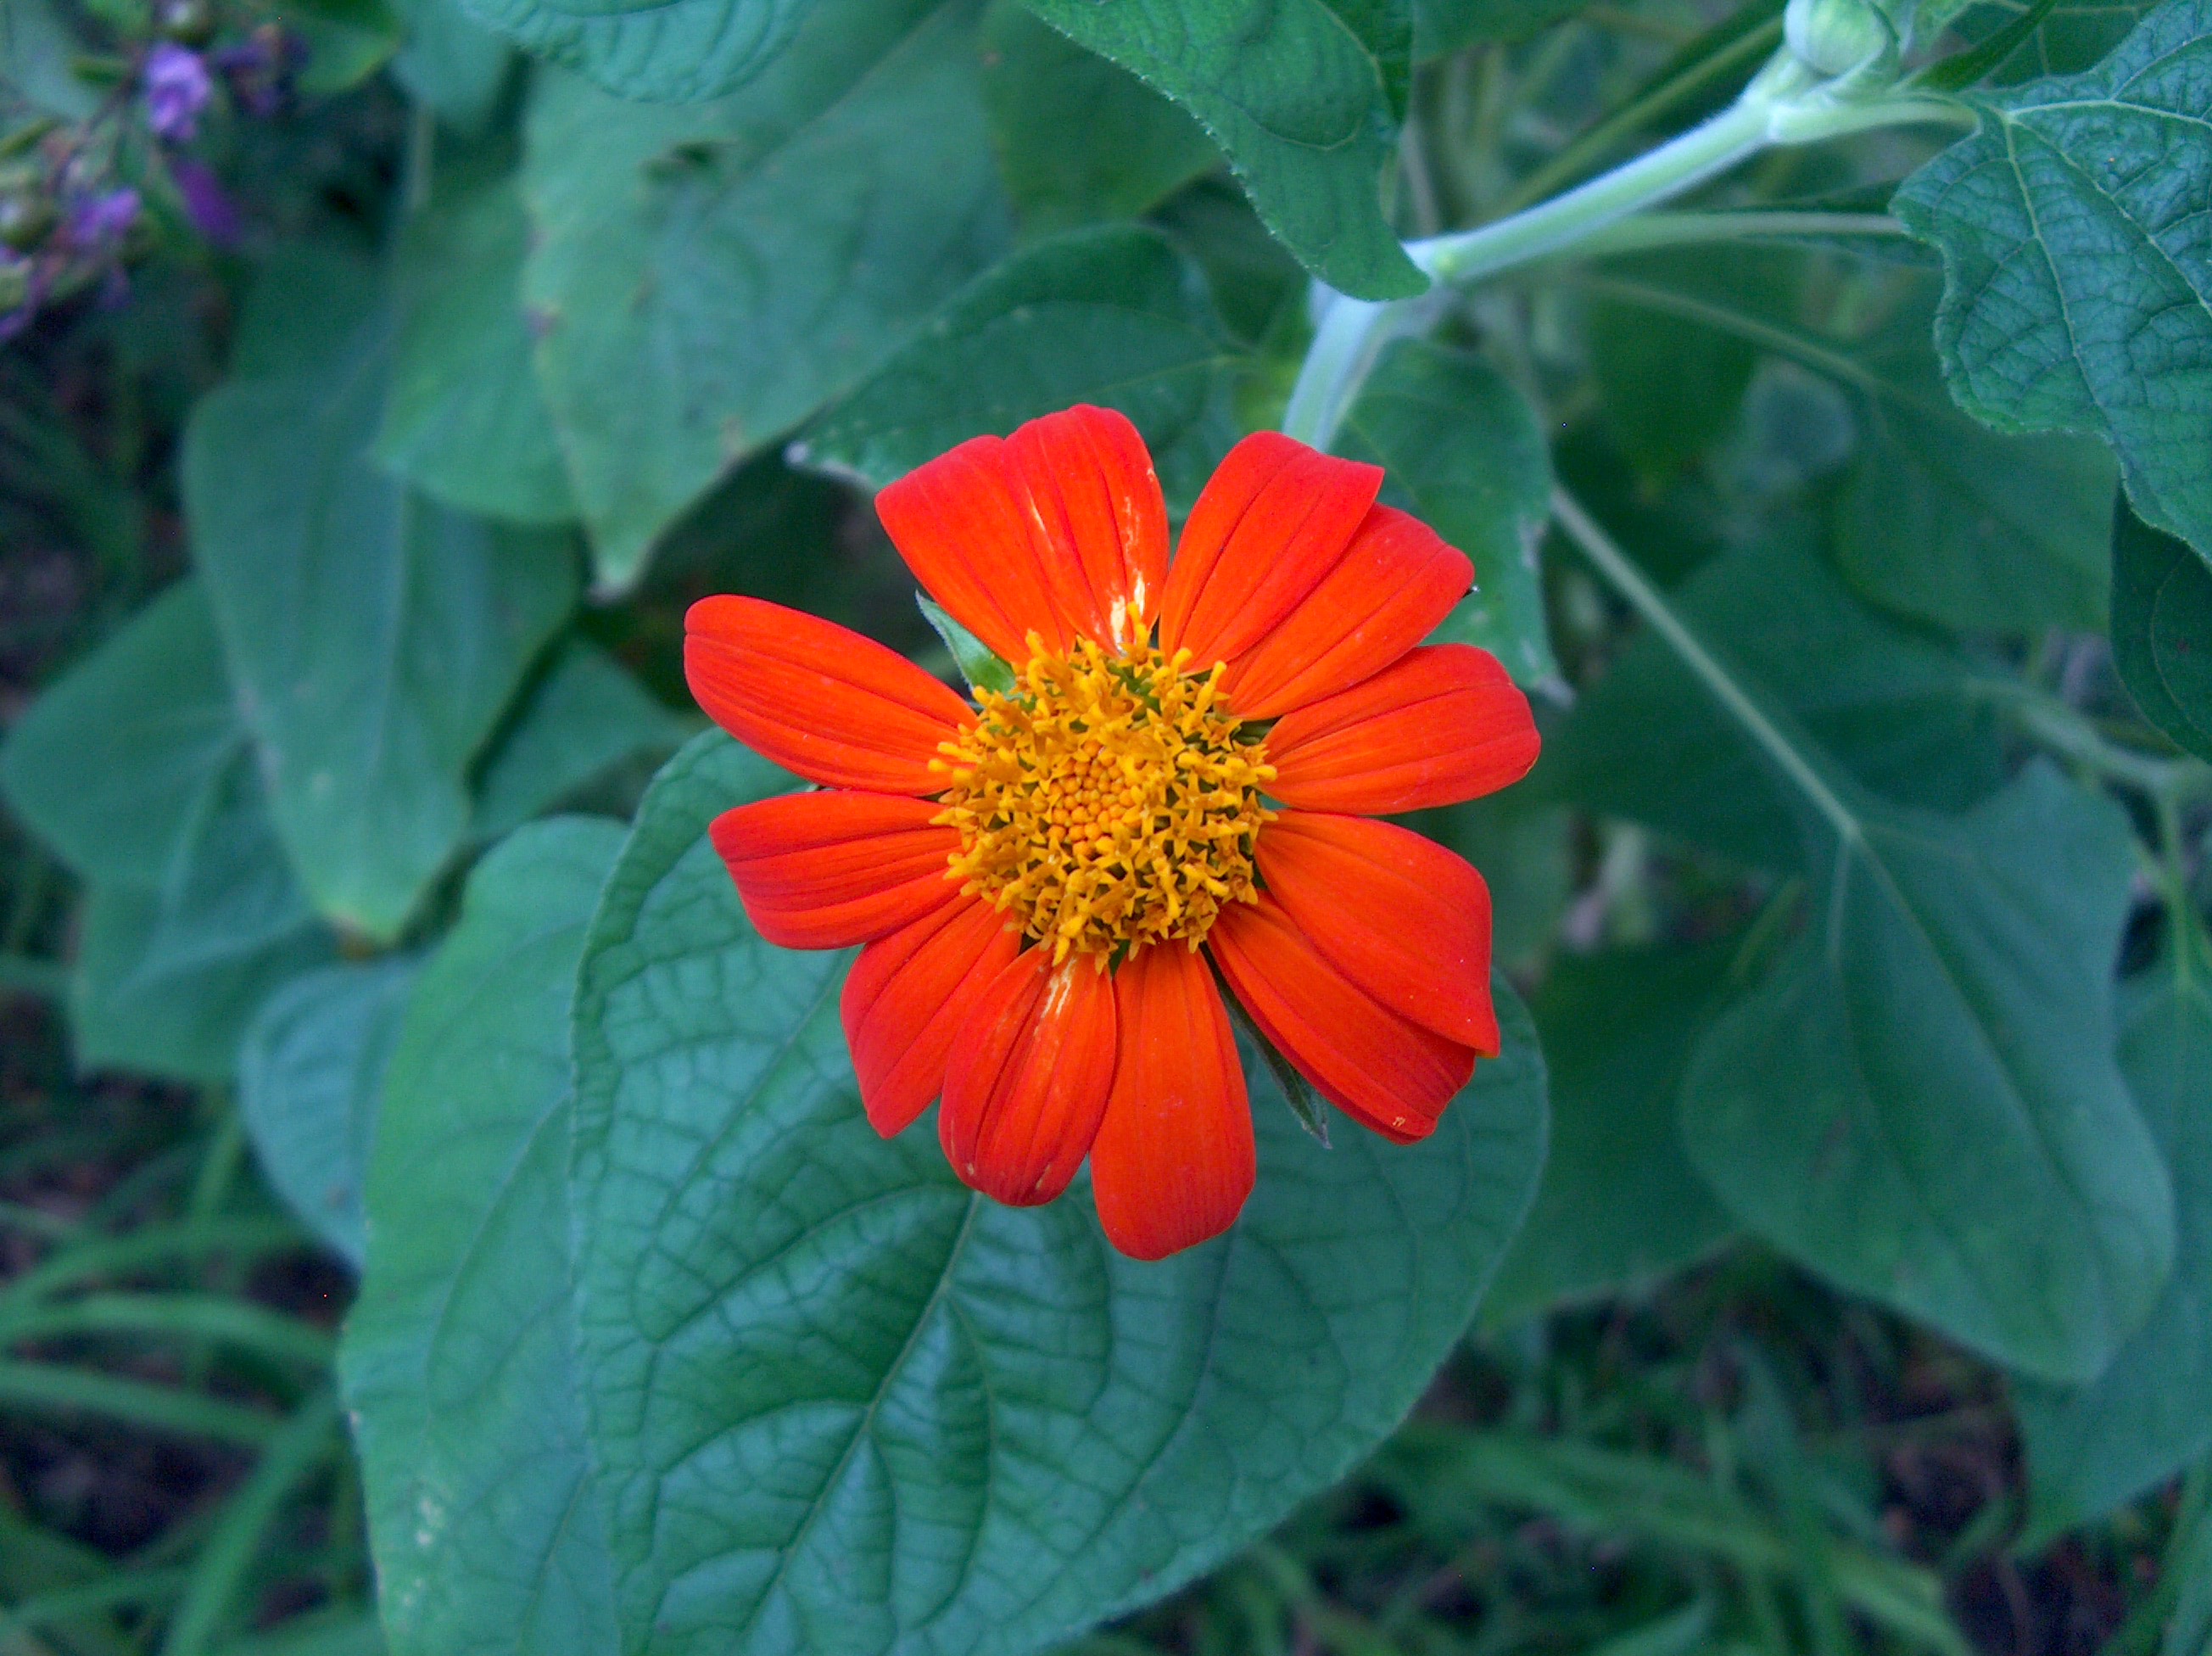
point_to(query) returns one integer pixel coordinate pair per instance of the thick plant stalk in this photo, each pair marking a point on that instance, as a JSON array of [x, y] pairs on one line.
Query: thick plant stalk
[[1785, 104]]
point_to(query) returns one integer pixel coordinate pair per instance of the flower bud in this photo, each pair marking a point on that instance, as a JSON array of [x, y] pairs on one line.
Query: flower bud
[[1837, 36], [28, 216], [188, 22]]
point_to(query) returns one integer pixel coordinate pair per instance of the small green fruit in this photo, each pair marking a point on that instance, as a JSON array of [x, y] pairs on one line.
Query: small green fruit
[[188, 22], [27, 217]]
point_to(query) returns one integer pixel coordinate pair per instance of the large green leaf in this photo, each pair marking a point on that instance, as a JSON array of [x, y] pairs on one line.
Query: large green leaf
[[1950, 522], [451, 63], [1938, 516], [1619, 1204], [1299, 93], [376, 637], [1671, 369], [465, 422], [2162, 631], [457, 1359], [1080, 140], [39, 57], [706, 278], [839, 1404], [113, 764], [667, 50], [1649, 743], [2071, 37], [583, 716], [2145, 1419], [1111, 316], [310, 1077], [168, 979], [1920, 1101], [138, 769], [1465, 453], [2078, 292]]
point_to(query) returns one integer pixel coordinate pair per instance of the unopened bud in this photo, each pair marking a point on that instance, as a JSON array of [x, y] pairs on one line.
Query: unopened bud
[[188, 22], [27, 213], [1837, 36]]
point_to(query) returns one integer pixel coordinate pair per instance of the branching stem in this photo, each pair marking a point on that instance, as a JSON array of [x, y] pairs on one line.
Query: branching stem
[[1785, 104]]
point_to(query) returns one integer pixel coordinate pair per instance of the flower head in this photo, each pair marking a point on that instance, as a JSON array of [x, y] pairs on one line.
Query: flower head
[[1175, 796], [177, 87], [97, 223]]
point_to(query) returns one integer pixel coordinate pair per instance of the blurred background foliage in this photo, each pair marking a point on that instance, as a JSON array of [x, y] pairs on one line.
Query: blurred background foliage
[[354, 481]]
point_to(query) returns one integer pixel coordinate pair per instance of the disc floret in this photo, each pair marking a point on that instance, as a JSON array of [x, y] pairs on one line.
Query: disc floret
[[1110, 801]]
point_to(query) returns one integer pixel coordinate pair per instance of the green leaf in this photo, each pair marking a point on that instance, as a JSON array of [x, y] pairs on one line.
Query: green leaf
[[584, 716], [1920, 1101], [1938, 517], [663, 51], [838, 1404], [457, 1360], [1620, 1205], [37, 55], [1299, 93], [114, 763], [1952, 523], [168, 978], [2162, 631], [1447, 26], [465, 421], [705, 278], [376, 637], [310, 1078], [2072, 36], [1113, 316], [982, 669], [1671, 371], [1080, 140], [1648, 742], [138, 769], [2077, 297], [2091, 1449], [347, 41], [452, 64], [1465, 455]]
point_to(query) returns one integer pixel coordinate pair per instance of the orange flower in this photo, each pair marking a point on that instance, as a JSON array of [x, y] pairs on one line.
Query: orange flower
[[1180, 783]]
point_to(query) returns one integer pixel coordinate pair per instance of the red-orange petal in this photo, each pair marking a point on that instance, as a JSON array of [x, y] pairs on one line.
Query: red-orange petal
[[817, 699], [1444, 724], [1270, 523], [908, 996], [1097, 500], [1396, 581], [1026, 1081], [1387, 1071], [1400, 916], [1174, 1159], [1057, 530], [827, 870]]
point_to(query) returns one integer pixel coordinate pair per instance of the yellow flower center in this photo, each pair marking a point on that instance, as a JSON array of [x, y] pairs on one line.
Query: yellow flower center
[[1109, 801]]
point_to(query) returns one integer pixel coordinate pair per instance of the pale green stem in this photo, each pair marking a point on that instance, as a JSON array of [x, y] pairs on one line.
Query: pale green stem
[[1784, 104], [1649, 230]]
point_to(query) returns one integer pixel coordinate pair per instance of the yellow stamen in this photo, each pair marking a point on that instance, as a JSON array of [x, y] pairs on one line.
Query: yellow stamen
[[1109, 801]]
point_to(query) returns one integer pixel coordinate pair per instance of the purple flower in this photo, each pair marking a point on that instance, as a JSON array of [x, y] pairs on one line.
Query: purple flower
[[259, 69], [177, 89], [97, 224], [211, 210]]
